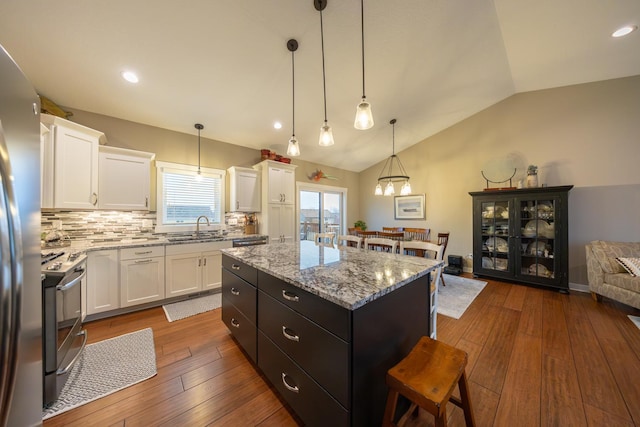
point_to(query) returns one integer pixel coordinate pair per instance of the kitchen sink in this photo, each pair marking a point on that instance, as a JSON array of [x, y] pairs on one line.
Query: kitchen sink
[[193, 237]]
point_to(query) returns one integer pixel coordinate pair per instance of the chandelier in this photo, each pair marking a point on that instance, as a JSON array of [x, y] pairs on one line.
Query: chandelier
[[393, 171]]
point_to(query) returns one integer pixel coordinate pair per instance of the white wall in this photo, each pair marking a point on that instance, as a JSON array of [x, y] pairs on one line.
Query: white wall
[[584, 135]]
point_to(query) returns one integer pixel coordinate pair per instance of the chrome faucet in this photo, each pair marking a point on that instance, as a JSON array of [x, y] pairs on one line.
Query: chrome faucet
[[198, 224]]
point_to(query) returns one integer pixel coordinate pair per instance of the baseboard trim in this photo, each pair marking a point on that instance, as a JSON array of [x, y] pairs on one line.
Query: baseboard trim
[[579, 287]]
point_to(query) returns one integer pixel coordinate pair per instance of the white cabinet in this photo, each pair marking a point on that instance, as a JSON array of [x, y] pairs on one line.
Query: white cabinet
[[75, 163], [281, 223], [123, 179], [278, 200], [141, 275], [103, 282], [193, 268], [244, 185]]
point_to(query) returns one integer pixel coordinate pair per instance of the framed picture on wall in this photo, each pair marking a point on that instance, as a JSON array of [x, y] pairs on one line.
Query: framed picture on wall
[[409, 207]]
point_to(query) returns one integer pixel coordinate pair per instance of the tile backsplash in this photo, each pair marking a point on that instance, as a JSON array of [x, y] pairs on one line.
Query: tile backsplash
[[115, 225]]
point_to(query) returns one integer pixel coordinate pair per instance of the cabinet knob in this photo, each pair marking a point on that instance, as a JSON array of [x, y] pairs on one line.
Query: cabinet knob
[[235, 266], [290, 334], [290, 296], [293, 388], [235, 323], [235, 292]]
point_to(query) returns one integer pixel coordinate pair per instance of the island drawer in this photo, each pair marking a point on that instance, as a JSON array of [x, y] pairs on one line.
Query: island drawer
[[240, 293], [240, 268], [323, 356], [242, 329], [325, 313], [310, 401]]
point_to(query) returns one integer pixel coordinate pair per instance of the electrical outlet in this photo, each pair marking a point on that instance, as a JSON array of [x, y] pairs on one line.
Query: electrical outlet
[[233, 221]]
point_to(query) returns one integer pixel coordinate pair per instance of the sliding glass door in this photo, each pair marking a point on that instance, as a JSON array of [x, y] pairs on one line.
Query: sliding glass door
[[322, 210]]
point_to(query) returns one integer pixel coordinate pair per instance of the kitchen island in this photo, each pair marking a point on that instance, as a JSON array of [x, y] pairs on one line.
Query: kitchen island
[[325, 324]]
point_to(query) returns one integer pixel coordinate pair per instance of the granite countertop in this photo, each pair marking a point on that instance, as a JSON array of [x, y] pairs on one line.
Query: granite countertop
[[95, 245], [348, 277]]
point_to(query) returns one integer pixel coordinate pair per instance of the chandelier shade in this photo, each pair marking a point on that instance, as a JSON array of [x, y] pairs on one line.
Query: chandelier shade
[[392, 171]]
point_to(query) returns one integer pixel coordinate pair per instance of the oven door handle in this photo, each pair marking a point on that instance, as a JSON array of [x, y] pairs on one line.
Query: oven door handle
[[67, 368], [73, 282]]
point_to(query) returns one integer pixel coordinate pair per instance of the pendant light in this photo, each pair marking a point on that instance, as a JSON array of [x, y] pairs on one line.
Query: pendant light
[[393, 171], [293, 149], [326, 134], [199, 127], [364, 116]]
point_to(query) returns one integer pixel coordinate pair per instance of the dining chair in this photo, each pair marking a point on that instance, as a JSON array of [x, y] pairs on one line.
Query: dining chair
[[431, 251], [393, 235], [380, 244], [443, 239], [391, 229], [365, 234], [324, 239], [423, 234], [349, 241], [352, 231]]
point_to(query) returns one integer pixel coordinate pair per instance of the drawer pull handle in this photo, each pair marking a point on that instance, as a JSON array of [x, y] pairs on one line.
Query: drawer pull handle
[[294, 388], [143, 261], [142, 253], [290, 296], [235, 323], [289, 335], [235, 266], [234, 291]]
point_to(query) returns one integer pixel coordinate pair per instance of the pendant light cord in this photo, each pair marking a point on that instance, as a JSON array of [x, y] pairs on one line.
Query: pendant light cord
[[293, 91], [362, 34], [324, 84]]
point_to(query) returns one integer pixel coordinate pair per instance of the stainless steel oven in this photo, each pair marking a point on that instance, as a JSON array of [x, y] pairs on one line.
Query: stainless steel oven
[[62, 335]]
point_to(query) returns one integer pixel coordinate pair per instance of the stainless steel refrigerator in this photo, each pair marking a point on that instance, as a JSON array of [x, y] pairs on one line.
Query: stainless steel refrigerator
[[21, 288]]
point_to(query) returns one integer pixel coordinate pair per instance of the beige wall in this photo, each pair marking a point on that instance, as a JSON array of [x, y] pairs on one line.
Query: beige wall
[[170, 146], [584, 135]]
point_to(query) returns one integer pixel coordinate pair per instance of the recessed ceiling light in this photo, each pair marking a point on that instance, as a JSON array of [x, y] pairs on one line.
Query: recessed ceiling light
[[277, 125], [621, 32], [130, 76]]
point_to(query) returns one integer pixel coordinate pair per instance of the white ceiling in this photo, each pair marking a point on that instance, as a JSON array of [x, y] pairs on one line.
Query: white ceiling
[[224, 63]]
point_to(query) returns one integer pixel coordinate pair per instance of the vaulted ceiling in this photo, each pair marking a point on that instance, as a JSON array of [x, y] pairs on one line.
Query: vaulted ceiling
[[224, 63]]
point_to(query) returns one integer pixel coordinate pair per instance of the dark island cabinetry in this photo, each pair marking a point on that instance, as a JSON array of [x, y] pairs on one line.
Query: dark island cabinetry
[[522, 235]]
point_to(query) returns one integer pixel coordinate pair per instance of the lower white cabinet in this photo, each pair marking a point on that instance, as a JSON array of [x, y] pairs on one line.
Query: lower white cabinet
[[194, 267], [141, 275], [103, 283], [281, 223]]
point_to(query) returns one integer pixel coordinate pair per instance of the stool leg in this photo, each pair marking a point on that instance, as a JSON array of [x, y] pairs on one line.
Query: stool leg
[[441, 421], [390, 409], [465, 397]]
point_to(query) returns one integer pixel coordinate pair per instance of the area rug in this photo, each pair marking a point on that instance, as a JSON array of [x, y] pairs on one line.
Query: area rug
[[191, 307], [106, 367], [457, 295], [635, 320]]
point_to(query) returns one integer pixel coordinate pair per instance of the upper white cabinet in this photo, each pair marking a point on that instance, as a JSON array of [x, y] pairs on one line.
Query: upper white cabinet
[[124, 177], [80, 172], [245, 189], [278, 200], [75, 163]]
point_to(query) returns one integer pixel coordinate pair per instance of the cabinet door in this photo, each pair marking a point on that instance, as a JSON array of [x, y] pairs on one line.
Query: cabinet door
[[276, 194], [76, 169], [541, 251], [287, 223], [211, 270], [141, 281], [46, 167], [245, 191], [184, 274], [273, 223], [123, 182], [288, 186], [103, 284], [493, 242]]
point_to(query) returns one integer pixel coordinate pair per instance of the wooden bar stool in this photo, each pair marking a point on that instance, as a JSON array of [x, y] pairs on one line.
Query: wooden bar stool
[[427, 377]]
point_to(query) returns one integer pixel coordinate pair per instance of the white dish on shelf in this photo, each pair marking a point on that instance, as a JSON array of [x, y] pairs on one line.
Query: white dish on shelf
[[497, 244]]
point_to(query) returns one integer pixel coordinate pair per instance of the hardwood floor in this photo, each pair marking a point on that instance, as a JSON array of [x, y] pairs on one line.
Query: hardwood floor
[[536, 358]]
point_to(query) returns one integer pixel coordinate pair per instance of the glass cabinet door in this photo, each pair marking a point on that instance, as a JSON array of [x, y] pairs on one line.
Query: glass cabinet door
[[537, 223], [495, 223]]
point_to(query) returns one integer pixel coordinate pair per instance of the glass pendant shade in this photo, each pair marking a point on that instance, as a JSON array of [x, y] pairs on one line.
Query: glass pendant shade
[[389, 190], [406, 189], [364, 116], [326, 135], [293, 149], [378, 191]]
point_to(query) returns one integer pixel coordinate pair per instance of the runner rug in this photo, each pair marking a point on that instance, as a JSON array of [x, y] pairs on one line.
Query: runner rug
[[106, 367], [191, 307], [457, 295]]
